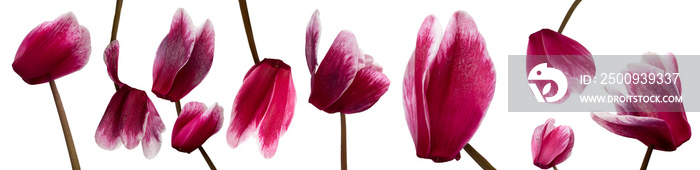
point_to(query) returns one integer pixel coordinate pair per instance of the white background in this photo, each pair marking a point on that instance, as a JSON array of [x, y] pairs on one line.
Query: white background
[[31, 136]]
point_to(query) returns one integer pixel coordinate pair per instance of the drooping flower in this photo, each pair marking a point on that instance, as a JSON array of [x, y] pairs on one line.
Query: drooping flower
[[346, 81], [551, 145], [265, 103], [448, 86], [52, 50], [130, 117], [195, 125], [562, 53], [662, 125], [183, 59]]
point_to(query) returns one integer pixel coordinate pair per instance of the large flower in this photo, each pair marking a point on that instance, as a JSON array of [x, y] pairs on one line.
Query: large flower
[[662, 125], [195, 125], [52, 50], [560, 52], [130, 117], [448, 87], [265, 103], [551, 145], [183, 59], [347, 80]]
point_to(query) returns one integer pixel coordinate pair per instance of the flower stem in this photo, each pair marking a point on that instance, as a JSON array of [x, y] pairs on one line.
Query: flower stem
[[343, 144], [178, 107], [64, 124], [555, 167], [483, 163], [645, 163], [115, 27], [248, 30], [568, 15]]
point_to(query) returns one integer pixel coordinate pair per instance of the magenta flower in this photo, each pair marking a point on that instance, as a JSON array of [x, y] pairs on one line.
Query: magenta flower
[[130, 117], [265, 103], [448, 87], [659, 125], [195, 125], [347, 80], [183, 59], [551, 145], [562, 53], [52, 50]]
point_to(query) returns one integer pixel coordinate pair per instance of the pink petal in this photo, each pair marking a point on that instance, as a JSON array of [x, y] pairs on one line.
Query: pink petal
[[154, 128], [562, 53], [252, 101], [197, 66], [111, 58], [279, 112], [108, 131], [195, 125], [648, 130], [623, 108], [556, 145], [569, 147], [370, 64], [336, 72], [134, 113], [427, 45], [52, 50], [173, 53], [460, 88], [667, 63], [313, 33], [369, 85], [540, 133]]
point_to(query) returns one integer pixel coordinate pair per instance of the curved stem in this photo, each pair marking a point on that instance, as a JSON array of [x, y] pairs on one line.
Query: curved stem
[[555, 167], [115, 27], [647, 157], [64, 124], [178, 107], [343, 144], [248, 30], [483, 163], [568, 15]]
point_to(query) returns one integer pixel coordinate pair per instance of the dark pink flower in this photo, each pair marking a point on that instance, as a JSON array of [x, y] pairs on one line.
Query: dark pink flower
[[130, 117], [347, 80], [195, 125], [265, 103], [659, 124], [551, 145], [562, 53], [448, 87], [52, 50], [183, 59]]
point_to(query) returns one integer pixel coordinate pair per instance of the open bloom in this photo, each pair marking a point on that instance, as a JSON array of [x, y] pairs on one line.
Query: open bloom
[[265, 103], [52, 50], [562, 53], [662, 125], [130, 117], [347, 80], [195, 125], [183, 59], [551, 145], [448, 86]]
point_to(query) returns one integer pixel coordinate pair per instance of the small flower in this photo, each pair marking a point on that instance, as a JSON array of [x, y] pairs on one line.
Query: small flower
[[183, 59], [52, 50], [448, 86], [551, 145], [195, 125], [130, 117], [265, 103], [347, 80]]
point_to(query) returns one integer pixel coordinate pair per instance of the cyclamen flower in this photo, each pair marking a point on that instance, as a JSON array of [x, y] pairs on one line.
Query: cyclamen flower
[[347, 81], [52, 50], [130, 117], [551, 145], [562, 53], [448, 86], [195, 125], [265, 103], [183, 59], [662, 125]]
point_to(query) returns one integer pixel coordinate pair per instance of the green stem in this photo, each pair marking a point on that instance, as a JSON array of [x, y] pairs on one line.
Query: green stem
[[248, 30], [568, 15], [115, 27], [343, 144], [483, 163], [645, 163], [72, 154], [178, 107]]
